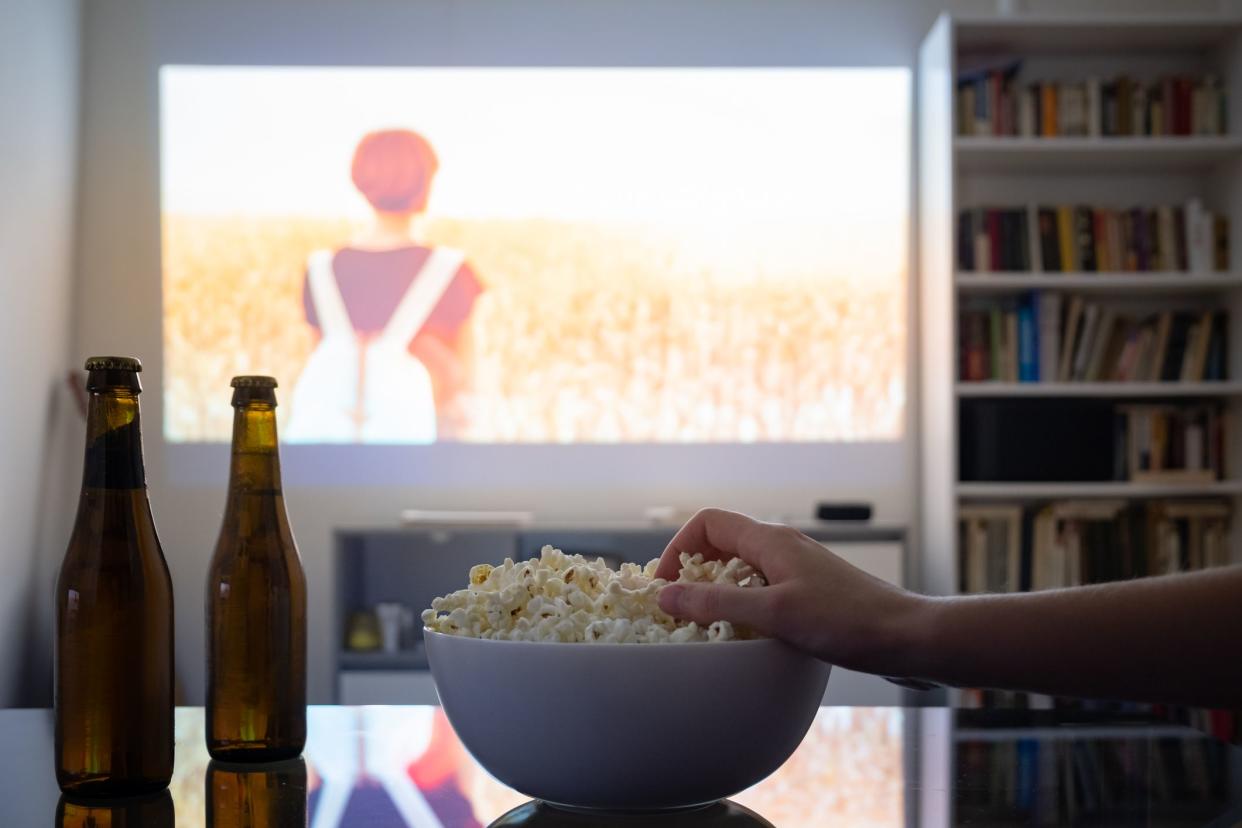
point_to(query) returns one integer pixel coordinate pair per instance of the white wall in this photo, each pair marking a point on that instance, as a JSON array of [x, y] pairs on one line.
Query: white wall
[[38, 162], [118, 302]]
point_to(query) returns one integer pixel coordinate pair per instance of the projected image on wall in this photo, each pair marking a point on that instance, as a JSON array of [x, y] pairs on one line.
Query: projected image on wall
[[527, 255]]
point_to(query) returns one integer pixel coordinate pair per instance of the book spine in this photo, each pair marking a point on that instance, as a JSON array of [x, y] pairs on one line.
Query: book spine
[[1220, 242], [995, 242], [1028, 343], [1048, 109], [1103, 261], [1049, 335], [965, 242], [1094, 108], [1065, 237], [996, 362], [1035, 255], [1084, 238]]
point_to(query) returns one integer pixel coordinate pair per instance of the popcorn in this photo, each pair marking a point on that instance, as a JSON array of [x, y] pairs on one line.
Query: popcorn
[[559, 597]]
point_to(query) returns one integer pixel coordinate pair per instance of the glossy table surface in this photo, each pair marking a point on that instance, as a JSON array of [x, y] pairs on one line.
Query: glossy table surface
[[862, 766]]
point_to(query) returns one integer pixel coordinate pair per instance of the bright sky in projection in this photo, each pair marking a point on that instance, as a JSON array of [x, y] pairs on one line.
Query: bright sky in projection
[[701, 150], [666, 255]]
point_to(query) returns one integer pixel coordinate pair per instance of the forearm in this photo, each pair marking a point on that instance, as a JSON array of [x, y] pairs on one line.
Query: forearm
[[1175, 639]]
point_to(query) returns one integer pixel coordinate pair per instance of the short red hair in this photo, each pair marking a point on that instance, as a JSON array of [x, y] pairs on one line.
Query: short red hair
[[393, 169]]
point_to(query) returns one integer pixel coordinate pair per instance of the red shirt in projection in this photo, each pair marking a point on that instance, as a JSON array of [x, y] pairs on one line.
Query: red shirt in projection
[[372, 283]]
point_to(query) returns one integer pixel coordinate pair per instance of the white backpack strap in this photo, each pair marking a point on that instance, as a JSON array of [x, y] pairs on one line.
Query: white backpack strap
[[424, 293], [326, 294]]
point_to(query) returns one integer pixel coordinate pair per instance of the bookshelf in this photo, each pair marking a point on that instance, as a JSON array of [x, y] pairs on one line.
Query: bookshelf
[[959, 172], [1128, 390], [1106, 489], [1173, 154], [1104, 283]]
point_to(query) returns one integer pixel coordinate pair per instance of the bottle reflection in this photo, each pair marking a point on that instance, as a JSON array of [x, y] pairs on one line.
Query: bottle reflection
[[154, 811], [722, 814], [256, 795]]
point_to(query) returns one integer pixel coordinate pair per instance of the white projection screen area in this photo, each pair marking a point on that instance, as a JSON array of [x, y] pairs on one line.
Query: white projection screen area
[[529, 255]]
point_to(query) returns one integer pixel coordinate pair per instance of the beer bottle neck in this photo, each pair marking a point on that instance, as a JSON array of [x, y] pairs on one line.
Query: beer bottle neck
[[113, 441], [255, 465]]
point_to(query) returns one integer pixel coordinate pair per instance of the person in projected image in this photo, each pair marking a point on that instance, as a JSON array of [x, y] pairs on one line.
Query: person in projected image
[[1174, 639], [390, 312]]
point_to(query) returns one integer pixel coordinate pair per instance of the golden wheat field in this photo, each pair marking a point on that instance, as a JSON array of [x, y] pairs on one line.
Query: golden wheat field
[[583, 334]]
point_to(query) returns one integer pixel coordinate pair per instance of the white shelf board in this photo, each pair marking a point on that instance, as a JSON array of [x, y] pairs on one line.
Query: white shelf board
[[1099, 389], [1015, 155], [1074, 731], [1046, 491], [1151, 282], [1093, 35]]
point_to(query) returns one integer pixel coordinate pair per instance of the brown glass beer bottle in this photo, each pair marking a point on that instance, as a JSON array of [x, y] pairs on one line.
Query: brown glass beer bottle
[[114, 610], [250, 796], [149, 811], [256, 599]]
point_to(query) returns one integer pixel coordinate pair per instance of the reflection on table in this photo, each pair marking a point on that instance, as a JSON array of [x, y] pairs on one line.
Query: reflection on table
[[869, 767], [404, 766]]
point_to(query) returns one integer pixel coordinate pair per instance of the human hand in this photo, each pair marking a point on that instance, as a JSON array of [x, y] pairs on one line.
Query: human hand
[[814, 600]]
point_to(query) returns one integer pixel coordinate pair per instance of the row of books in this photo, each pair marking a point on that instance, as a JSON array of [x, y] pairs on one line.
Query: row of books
[[1046, 337], [1092, 781], [1012, 548], [1080, 238], [994, 102], [1170, 444]]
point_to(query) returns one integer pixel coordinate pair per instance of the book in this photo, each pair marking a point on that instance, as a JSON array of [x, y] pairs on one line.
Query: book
[[1086, 342], [975, 339], [1164, 325], [1028, 343], [1099, 345], [1066, 239], [1166, 241], [993, 219], [1143, 358], [1073, 322], [966, 241], [1220, 241], [1027, 109], [1103, 258], [1011, 347], [1199, 354], [1034, 259], [1175, 352], [996, 362], [1215, 366], [1119, 334], [1084, 239], [1048, 110], [1049, 329], [1049, 240]]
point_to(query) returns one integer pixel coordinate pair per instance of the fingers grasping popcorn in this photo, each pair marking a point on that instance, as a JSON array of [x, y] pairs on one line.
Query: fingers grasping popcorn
[[559, 597]]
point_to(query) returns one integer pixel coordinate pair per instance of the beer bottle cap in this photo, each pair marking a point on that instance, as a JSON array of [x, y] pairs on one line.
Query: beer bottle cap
[[253, 381], [113, 363]]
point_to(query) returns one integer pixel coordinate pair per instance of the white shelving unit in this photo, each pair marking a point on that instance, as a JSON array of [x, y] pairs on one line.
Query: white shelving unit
[[961, 172], [1110, 488], [1162, 390], [1027, 155], [1114, 283]]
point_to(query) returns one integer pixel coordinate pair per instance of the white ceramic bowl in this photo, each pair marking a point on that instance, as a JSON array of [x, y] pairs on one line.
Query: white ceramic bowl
[[627, 726]]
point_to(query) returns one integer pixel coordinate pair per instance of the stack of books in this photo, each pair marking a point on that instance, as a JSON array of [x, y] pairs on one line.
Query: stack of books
[[994, 102], [1079, 238], [1047, 337], [1012, 548]]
